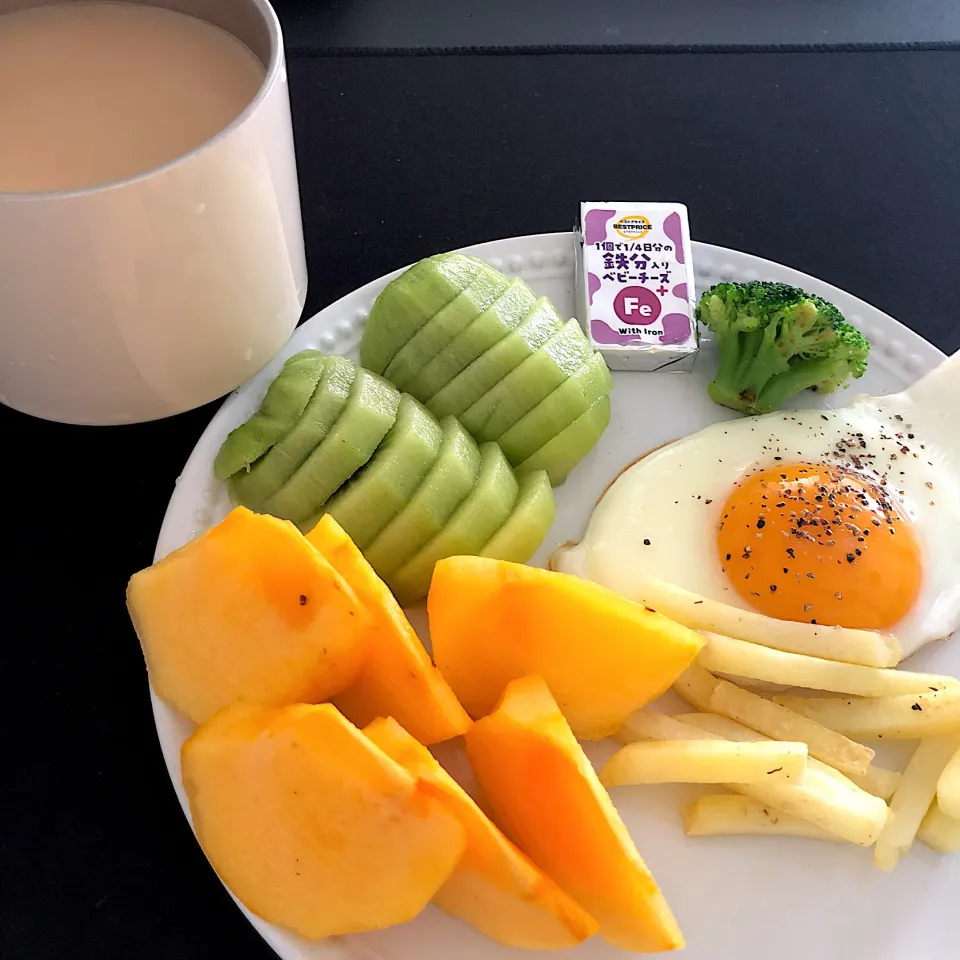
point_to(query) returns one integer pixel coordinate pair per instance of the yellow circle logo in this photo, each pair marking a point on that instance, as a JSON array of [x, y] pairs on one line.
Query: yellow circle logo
[[633, 227]]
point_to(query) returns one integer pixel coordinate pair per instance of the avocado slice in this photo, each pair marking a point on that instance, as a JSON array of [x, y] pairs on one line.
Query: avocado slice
[[483, 512], [281, 407], [468, 386], [498, 320], [270, 473], [370, 412], [561, 454], [532, 516], [450, 320], [558, 410], [380, 490], [450, 480], [406, 303], [524, 387]]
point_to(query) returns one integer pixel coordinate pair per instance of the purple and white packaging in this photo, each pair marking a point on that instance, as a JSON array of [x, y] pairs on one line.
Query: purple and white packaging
[[635, 285]]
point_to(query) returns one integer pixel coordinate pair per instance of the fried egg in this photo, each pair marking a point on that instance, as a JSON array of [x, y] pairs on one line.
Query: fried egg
[[845, 517]]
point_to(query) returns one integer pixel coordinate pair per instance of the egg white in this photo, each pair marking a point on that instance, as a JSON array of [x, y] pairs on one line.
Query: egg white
[[660, 517]]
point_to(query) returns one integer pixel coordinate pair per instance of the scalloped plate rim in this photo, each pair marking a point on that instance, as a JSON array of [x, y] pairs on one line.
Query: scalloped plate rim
[[890, 338]]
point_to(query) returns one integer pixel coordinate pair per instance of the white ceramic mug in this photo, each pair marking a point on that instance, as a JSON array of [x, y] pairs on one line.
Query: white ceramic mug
[[140, 299]]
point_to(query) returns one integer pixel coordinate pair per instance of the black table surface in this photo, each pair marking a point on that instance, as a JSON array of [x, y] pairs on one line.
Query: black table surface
[[380, 24], [841, 164]]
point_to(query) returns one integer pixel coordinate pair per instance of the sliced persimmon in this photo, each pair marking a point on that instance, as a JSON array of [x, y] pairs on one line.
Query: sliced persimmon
[[248, 610], [547, 798], [603, 656], [312, 826], [398, 678], [495, 887]]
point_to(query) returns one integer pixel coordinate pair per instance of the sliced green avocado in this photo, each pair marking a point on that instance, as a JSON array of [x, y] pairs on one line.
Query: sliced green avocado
[[450, 320], [370, 412], [378, 492], [499, 319], [409, 301], [271, 472], [483, 512], [561, 454], [523, 388], [450, 480], [468, 386], [280, 409], [558, 410], [532, 516]]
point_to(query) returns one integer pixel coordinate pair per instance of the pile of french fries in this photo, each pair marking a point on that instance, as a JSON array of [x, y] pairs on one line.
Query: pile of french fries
[[795, 764]]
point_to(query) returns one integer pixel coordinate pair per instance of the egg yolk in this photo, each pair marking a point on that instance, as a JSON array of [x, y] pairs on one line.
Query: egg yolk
[[817, 543]]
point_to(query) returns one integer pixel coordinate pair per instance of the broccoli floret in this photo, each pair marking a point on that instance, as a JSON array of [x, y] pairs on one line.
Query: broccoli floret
[[775, 340]]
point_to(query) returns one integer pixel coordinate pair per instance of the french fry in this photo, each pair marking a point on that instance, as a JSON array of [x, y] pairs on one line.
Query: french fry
[[877, 780], [696, 685], [910, 717], [725, 727], [849, 813], [832, 643], [705, 761], [909, 805], [722, 727], [744, 659], [650, 725], [940, 832], [728, 813], [948, 788], [778, 722]]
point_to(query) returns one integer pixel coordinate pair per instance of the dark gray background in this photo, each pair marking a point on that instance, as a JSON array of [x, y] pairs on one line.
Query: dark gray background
[[325, 24], [807, 158], [810, 158]]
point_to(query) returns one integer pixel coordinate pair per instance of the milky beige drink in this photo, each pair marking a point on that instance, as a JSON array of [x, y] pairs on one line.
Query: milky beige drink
[[151, 248], [91, 93]]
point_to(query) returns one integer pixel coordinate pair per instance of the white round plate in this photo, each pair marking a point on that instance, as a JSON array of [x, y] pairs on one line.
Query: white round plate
[[736, 898]]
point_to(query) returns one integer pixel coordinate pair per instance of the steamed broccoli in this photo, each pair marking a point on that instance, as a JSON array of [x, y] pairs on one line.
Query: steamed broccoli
[[775, 340]]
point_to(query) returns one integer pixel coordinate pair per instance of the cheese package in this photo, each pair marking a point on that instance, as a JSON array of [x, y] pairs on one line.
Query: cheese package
[[635, 285]]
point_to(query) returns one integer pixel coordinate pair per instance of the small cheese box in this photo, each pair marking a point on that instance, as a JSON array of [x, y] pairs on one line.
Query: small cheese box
[[635, 285]]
